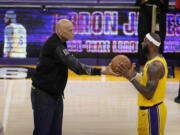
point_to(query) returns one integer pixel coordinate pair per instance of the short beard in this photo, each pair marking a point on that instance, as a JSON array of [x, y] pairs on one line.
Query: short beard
[[145, 50]]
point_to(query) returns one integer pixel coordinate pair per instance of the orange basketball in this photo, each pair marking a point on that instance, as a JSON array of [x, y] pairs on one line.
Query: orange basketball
[[120, 59]]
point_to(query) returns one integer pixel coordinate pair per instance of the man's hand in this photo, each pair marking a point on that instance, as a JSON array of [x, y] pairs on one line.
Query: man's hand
[[127, 73], [108, 71]]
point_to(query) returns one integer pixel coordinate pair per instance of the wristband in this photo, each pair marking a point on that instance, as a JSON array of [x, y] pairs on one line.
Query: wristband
[[136, 77]]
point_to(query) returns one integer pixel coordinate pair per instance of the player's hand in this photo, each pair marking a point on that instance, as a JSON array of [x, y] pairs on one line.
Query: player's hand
[[127, 73], [108, 71]]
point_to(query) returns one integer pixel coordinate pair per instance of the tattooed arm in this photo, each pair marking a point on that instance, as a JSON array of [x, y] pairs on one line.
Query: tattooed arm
[[155, 72]]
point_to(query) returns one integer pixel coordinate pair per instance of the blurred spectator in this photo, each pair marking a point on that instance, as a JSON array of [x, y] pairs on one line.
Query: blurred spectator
[[177, 99], [152, 18], [177, 6]]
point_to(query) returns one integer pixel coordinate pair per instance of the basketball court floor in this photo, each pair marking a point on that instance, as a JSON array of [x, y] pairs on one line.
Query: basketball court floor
[[93, 106]]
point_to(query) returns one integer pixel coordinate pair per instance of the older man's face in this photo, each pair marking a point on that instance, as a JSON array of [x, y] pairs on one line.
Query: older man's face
[[68, 32]]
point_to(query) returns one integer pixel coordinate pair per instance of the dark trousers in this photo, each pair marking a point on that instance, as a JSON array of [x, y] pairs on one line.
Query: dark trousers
[[48, 113], [144, 27]]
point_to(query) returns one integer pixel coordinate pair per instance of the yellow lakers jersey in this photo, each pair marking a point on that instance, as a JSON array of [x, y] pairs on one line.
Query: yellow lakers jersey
[[159, 94]]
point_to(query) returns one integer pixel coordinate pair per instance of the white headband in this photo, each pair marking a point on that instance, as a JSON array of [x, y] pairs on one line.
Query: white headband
[[150, 38]]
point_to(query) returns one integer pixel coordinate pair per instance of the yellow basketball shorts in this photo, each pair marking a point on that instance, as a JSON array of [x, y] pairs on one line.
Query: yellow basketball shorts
[[152, 120]]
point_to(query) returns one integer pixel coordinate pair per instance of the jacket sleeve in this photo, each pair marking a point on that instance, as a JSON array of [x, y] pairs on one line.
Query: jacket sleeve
[[72, 62]]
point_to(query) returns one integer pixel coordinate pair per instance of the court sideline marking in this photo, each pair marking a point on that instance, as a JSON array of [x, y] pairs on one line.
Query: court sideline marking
[[8, 84]]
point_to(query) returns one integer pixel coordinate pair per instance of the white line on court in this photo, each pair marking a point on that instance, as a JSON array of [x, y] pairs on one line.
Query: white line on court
[[103, 77], [7, 104]]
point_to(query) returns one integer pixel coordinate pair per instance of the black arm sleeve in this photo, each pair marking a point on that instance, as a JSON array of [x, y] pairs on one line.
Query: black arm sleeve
[[72, 62]]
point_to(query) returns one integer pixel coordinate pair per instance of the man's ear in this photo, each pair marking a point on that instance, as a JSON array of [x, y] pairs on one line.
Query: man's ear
[[61, 32]]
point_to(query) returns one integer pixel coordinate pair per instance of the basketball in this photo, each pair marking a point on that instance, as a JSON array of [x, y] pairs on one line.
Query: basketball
[[120, 59]]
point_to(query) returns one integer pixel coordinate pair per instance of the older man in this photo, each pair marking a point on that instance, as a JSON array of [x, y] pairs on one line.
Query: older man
[[50, 78]]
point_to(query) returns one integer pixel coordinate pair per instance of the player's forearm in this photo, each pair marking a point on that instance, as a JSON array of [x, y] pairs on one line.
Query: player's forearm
[[143, 90]]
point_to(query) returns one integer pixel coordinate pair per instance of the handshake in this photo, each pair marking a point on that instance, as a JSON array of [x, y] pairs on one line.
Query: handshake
[[120, 66]]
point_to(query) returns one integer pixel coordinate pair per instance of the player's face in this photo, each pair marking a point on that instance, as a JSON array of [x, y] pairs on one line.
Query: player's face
[[68, 33], [145, 45]]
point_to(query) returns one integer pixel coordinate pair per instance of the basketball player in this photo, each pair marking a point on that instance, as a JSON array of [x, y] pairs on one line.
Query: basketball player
[[151, 86], [152, 18], [50, 78], [14, 37]]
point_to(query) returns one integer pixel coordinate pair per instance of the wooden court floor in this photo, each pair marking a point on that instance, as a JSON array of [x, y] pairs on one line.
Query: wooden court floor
[[90, 108]]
